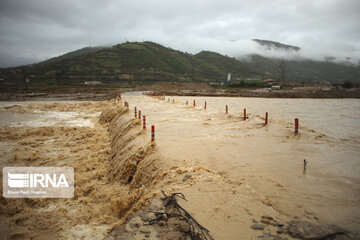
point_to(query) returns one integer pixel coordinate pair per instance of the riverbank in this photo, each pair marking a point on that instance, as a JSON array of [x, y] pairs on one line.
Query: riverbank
[[309, 92], [100, 93]]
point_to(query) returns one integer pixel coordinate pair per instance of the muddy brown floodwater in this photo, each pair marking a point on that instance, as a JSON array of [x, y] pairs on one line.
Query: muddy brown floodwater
[[266, 160], [238, 170]]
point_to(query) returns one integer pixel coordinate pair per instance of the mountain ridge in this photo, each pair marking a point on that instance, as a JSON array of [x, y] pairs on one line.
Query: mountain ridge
[[134, 63], [272, 45]]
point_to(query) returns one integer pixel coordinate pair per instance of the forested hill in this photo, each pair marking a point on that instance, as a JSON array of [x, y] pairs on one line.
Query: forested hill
[[145, 62]]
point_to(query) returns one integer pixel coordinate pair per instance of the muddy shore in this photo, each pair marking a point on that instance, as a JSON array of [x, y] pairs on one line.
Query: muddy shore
[[68, 93], [100, 93], [266, 93]]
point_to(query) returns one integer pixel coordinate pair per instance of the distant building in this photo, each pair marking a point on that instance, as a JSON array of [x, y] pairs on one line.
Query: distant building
[[325, 83], [269, 82], [239, 79], [252, 79], [92, 82], [228, 78], [275, 87]]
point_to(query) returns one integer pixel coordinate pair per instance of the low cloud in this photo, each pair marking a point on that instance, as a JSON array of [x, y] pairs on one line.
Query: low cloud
[[34, 30]]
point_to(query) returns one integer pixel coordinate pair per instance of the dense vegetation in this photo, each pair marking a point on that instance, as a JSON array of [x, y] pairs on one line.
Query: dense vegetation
[[134, 63]]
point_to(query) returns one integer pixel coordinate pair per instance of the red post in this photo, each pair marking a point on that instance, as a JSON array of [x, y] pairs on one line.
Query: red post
[[194, 103], [244, 113], [119, 96], [205, 105], [266, 118], [186, 102], [296, 125], [135, 113], [144, 122], [152, 133], [226, 109], [140, 114]]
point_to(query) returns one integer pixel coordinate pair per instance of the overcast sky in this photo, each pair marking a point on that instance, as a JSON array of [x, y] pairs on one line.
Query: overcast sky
[[34, 30]]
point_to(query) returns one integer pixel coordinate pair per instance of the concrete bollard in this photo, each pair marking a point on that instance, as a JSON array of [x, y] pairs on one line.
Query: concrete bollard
[[152, 133]]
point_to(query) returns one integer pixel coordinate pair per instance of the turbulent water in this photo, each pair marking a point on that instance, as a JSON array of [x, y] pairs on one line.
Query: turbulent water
[[239, 169], [270, 158]]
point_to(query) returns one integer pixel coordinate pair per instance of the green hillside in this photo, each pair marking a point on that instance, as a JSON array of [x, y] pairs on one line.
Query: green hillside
[[135, 63], [305, 70]]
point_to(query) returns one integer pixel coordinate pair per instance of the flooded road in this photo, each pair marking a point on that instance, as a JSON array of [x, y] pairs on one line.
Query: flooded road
[[269, 158], [238, 170]]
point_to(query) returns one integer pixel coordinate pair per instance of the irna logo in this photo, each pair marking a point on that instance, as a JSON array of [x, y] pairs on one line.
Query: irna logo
[[19, 180], [38, 182]]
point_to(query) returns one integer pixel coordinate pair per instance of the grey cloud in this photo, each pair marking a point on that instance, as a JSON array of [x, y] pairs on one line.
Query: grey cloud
[[36, 30]]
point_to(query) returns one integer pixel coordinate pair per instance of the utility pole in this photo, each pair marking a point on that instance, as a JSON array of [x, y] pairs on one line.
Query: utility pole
[[282, 70], [193, 73], [24, 78], [93, 67]]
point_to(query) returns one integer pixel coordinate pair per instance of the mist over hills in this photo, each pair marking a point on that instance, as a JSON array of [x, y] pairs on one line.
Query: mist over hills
[[134, 63], [271, 45]]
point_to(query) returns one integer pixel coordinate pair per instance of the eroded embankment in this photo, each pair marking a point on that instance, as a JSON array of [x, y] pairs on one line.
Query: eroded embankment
[[112, 179], [117, 169], [133, 161]]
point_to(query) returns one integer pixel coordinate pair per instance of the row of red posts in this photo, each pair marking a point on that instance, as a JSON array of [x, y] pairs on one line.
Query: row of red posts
[[245, 117], [151, 94], [138, 115], [205, 106]]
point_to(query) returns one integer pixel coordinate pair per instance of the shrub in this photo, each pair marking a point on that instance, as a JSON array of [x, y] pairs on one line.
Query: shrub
[[347, 84]]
